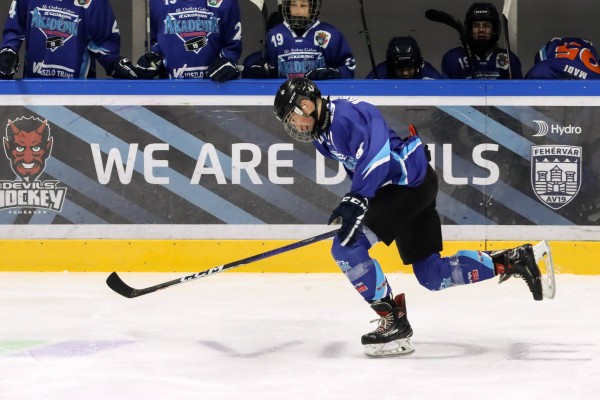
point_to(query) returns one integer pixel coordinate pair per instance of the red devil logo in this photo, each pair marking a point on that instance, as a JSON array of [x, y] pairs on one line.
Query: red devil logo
[[27, 145]]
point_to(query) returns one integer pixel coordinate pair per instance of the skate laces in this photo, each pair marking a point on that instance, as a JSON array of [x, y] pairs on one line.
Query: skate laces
[[383, 322]]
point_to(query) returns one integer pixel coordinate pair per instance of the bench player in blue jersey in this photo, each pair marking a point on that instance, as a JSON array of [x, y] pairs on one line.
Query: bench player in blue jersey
[[63, 39]]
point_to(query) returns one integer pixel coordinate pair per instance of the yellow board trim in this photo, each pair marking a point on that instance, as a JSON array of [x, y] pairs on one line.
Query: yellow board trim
[[570, 257]]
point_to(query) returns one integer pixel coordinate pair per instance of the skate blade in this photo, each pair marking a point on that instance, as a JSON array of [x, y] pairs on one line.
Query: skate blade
[[399, 347], [543, 258]]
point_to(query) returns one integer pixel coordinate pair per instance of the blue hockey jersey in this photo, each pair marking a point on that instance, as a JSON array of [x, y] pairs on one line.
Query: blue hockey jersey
[[371, 152], [566, 58], [61, 34], [191, 34], [493, 66], [320, 46]]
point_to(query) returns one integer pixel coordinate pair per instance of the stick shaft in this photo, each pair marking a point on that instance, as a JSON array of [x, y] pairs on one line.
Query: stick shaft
[[117, 284], [148, 40], [507, 44], [368, 38]]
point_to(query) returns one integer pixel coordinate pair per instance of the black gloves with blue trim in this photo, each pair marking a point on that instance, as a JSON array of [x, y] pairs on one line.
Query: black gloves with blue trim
[[349, 214]]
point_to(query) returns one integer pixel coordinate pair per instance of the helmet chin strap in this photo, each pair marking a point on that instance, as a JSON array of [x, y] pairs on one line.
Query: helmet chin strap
[[322, 118]]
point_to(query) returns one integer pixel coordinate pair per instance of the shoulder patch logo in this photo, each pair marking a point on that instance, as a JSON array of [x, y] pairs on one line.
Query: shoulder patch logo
[[83, 3], [322, 38], [215, 3]]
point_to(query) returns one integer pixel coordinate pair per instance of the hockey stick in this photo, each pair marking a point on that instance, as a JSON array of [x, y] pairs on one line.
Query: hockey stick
[[116, 283], [507, 44], [148, 41], [454, 23], [262, 6], [367, 37]]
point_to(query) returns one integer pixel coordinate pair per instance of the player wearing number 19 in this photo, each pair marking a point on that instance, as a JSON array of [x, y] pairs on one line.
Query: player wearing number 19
[[392, 198], [482, 29], [303, 46]]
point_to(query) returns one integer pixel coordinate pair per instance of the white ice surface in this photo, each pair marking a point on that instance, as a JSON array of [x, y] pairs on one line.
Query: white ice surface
[[239, 336]]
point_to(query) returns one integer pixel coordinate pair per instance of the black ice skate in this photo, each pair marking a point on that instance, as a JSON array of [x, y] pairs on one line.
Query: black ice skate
[[391, 338], [519, 262]]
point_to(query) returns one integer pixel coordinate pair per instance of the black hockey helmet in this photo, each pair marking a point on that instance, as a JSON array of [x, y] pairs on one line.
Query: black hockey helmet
[[403, 52], [289, 100], [483, 12], [300, 22]]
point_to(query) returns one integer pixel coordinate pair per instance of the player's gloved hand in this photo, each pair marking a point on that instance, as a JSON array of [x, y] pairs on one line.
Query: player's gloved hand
[[260, 71], [149, 65], [122, 68], [350, 214], [319, 74], [9, 63], [222, 70]]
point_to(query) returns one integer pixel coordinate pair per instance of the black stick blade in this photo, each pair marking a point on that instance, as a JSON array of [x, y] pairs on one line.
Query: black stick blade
[[444, 18], [115, 282]]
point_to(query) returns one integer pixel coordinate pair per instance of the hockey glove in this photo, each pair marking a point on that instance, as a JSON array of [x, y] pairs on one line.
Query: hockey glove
[[9, 63], [122, 68], [262, 71], [222, 70], [350, 214], [319, 74], [149, 65]]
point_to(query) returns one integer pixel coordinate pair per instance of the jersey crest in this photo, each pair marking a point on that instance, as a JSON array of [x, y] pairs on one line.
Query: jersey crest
[[322, 38], [502, 61], [82, 3], [58, 26], [215, 3], [192, 27]]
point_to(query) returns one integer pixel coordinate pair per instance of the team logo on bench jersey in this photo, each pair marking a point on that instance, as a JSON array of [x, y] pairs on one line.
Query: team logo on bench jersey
[[192, 27], [556, 173], [58, 26]]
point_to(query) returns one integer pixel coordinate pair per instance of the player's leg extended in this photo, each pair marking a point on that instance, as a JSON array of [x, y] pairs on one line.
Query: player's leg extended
[[467, 266]]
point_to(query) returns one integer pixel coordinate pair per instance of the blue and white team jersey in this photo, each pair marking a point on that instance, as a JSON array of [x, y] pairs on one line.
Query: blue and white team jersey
[[191, 34], [321, 46], [566, 58], [428, 71], [493, 66], [371, 152], [60, 34]]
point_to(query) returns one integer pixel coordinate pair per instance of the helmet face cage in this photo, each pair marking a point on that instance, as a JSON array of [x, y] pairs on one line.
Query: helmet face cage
[[295, 133], [297, 22], [288, 103], [483, 12], [403, 52]]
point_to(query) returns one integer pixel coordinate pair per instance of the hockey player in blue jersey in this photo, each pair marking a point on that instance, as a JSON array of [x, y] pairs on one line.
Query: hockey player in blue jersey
[[62, 40], [193, 39], [392, 198], [403, 60], [482, 29], [304, 46], [566, 58]]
